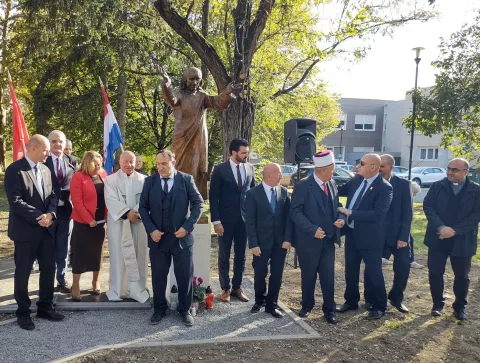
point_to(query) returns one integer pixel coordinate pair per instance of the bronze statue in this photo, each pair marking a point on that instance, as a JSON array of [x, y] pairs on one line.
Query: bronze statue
[[189, 104]]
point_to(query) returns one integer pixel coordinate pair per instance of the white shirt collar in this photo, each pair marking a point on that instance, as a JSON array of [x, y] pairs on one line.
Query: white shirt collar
[[268, 188], [234, 165], [171, 176], [370, 180], [32, 164], [319, 181]]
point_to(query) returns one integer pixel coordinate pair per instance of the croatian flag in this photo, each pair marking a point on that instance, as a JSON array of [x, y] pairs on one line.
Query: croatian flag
[[20, 133], [112, 138]]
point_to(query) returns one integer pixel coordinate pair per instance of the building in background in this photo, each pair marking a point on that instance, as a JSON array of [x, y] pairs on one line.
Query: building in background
[[377, 126]]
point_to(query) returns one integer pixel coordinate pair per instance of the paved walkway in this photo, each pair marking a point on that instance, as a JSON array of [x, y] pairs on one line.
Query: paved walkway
[[86, 330]]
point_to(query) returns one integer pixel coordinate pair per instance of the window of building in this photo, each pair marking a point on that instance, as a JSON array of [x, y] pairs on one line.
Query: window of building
[[338, 152], [365, 122], [363, 149], [428, 154]]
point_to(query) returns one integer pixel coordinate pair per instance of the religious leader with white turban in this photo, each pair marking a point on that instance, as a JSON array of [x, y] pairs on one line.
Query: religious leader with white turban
[[127, 239], [317, 229]]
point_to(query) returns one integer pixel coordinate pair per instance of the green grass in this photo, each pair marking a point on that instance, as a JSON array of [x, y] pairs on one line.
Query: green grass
[[3, 199]]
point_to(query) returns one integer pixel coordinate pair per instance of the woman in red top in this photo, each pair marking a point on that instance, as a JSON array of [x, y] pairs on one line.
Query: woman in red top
[[89, 214]]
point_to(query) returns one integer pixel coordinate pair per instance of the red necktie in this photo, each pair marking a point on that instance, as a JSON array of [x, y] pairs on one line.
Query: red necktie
[[59, 172], [325, 188]]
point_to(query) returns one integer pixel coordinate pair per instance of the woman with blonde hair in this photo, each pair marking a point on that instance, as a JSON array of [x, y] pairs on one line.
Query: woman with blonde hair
[[89, 214]]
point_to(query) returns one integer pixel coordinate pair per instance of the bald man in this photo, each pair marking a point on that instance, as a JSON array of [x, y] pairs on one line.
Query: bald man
[[452, 208], [269, 233], [127, 239], [62, 167], [368, 199], [29, 189]]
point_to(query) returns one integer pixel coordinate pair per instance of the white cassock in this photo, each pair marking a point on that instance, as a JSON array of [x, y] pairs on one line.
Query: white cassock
[[127, 242]]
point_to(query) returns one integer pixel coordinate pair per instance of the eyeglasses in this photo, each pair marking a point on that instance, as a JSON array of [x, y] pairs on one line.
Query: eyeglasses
[[363, 163], [455, 170]]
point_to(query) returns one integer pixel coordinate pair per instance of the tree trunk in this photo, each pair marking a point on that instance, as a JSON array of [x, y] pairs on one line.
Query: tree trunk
[[237, 122], [122, 103], [205, 14]]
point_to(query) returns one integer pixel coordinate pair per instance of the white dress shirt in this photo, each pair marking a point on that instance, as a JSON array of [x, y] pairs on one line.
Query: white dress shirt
[[38, 175], [170, 180], [268, 191], [242, 171]]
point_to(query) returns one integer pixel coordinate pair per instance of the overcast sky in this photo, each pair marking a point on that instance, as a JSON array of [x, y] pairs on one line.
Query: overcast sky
[[388, 71]]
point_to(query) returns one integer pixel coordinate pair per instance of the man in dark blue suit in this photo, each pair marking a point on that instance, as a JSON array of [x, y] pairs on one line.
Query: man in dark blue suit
[[33, 202], [397, 232], [228, 186], [62, 168], [317, 229], [166, 200], [269, 231], [368, 199]]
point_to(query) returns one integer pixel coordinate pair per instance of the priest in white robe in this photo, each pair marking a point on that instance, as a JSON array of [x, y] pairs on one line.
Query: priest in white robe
[[127, 238]]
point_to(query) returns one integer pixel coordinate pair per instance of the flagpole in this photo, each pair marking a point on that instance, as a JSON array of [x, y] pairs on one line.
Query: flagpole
[[22, 138]]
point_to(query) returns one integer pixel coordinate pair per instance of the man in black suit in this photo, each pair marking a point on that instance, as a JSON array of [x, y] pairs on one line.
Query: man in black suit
[[317, 229], [228, 186], [269, 232], [397, 231], [32, 201], [166, 200], [452, 208], [62, 168], [368, 199]]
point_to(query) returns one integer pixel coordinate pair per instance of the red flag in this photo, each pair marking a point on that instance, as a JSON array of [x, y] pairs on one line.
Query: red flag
[[20, 133]]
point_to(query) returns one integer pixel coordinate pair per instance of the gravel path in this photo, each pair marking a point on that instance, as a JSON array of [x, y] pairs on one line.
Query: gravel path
[[84, 330]]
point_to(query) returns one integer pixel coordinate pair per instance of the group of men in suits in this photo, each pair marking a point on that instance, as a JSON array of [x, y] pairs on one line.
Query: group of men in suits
[[378, 213], [377, 217]]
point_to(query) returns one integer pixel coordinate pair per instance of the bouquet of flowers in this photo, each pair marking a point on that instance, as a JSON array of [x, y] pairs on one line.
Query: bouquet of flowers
[[199, 292]]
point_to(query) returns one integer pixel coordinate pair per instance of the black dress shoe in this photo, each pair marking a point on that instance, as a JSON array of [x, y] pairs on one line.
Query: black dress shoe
[[304, 313], [63, 287], [437, 310], [157, 317], [256, 307], [25, 322], [345, 307], [368, 306], [460, 314], [375, 314], [276, 313], [331, 318], [188, 319], [400, 307], [51, 315]]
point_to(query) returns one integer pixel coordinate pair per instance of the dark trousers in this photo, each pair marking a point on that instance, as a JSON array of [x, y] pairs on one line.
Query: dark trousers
[[276, 257], [437, 259], [374, 283], [237, 234], [62, 231], [25, 253], [160, 260], [318, 261], [401, 272], [387, 251]]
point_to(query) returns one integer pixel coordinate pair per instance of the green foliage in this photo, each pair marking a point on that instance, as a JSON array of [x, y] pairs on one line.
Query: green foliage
[[453, 105]]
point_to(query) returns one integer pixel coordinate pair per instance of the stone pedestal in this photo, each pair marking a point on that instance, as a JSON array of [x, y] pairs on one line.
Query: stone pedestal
[[201, 254]]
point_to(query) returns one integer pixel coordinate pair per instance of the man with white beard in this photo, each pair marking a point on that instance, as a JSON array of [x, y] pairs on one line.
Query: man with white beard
[[127, 239]]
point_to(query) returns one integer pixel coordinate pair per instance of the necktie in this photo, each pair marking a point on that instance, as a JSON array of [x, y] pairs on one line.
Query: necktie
[[325, 188], [239, 178], [165, 185], [39, 179], [59, 172], [273, 200], [359, 197]]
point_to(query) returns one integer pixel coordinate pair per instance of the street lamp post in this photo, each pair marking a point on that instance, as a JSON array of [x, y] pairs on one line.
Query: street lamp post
[[414, 111]]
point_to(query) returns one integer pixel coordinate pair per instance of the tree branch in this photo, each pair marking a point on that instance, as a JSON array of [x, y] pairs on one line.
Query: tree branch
[[298, 83], [205, 51]]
